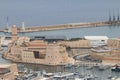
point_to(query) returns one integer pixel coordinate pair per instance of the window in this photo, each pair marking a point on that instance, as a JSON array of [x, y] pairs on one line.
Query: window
[[39, 55], [36, 54]]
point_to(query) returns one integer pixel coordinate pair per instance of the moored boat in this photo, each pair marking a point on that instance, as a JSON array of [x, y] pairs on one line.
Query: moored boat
[[116, 68]]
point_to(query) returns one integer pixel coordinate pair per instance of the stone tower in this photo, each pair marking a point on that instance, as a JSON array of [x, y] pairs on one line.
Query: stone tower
[[14, 33]]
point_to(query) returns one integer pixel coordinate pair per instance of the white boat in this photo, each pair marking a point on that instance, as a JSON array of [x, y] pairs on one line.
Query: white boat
[[85, 77], [62, 76], [79, 78]]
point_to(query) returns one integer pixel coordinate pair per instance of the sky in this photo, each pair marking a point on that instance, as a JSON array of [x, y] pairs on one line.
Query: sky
[[52, 12]]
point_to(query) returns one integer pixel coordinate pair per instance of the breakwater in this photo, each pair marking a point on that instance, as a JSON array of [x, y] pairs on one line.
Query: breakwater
[[69, 26], [65, 26]]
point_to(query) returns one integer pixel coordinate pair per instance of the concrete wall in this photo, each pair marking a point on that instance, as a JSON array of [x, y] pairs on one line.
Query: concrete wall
[[76, 44], [110, 61], [54, 55], [114, 43]]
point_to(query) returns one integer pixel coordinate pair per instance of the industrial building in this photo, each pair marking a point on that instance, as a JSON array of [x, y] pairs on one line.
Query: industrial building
[[96, 41]]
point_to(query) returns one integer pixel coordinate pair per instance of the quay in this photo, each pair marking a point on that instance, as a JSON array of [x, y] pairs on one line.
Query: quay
[[64, 26]]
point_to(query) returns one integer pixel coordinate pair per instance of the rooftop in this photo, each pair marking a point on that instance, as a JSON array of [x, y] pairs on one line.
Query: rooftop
[[95, 37]]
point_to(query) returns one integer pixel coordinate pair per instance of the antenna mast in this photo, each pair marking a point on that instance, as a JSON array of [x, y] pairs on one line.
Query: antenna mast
[[109, 16], [113, 15], [118, 18]]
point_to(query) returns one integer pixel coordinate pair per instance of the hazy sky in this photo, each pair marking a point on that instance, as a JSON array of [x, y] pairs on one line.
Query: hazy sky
[[50, 12]]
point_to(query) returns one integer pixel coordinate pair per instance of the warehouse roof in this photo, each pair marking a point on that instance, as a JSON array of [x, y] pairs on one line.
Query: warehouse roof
[[96, 37]]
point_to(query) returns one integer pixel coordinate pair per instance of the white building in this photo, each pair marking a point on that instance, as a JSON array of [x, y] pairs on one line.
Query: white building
[[96, 41], [4, 40]]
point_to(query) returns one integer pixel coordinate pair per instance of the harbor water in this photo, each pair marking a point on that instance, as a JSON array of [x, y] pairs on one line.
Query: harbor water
[[109, 31]]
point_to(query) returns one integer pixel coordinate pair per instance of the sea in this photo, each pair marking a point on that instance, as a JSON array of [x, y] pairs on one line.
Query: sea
[[55, 12]]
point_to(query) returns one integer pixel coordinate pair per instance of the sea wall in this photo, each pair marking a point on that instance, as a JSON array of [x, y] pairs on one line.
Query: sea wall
[[68, 26]]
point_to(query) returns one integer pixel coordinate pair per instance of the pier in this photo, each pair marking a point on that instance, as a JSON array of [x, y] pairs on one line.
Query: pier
[[69, 26], [65, 26]]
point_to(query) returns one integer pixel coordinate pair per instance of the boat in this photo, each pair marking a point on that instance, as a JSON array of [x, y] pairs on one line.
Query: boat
[[79, 79], [103, 67], [62, 76], [85, 77], [89, 67], [116, 68], [109, 77], [38, 76]]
